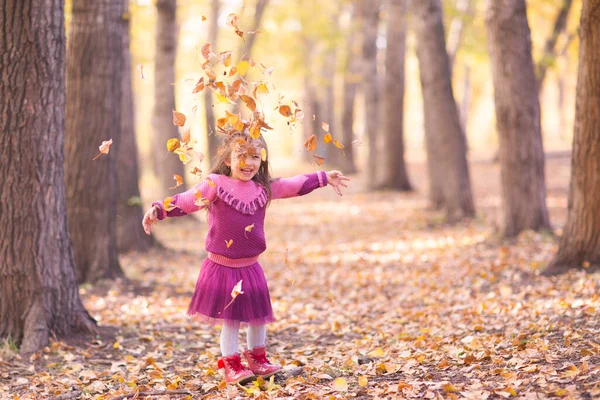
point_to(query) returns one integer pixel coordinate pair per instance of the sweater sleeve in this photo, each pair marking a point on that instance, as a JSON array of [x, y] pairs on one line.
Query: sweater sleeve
[[299, 185], [189, 201]]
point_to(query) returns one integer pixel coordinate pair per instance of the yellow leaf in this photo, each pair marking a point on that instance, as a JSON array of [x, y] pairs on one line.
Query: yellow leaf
[[363, 381], [249, 228], [327, 138], [242, 68], [183, 156], [338, 144], [117, 345], [378, 352], [173, 144], [261, 88], [340, 384], [450, 388], [168, 204], [178, 118], [263, 154], [229, 243], [227, 61]]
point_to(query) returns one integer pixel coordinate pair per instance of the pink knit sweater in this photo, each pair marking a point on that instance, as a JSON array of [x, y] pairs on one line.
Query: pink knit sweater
[[236, 210]]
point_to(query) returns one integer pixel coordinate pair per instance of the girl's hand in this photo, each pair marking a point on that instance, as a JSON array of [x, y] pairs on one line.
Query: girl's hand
[[336, 179], [149, 218]]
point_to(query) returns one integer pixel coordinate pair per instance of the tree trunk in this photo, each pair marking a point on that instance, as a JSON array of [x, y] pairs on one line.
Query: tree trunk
[[351, 79], [446, 149], [580, 243], [313, 114], [212, 138], [395, 175], [521, 152], [130, 234], [370, 83], [165, 165], [39, 295], [455, 32], [259, 11], [94, 73], [333, 154]]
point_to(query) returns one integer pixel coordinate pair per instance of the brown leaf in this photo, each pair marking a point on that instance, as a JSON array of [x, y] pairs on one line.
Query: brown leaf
[[284, 110], [207, 51], [320, 160], [178, 118], [249, 101], [187, 135], [199, 86]]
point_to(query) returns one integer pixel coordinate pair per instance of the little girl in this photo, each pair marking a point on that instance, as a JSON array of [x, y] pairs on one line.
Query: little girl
[[236, 195]]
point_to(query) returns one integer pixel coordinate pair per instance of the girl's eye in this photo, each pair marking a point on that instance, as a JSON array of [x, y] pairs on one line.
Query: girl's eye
[[255, 157]]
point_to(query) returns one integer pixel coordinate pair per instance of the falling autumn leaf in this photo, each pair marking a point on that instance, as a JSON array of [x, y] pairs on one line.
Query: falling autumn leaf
[[319, 160], [173, 144], [206, 51], [338, 144], [261, 88], [248, 229], [242, 68], [187, 136], [284, 110], [203, 18], [249, 101], [235, 292], [196, 171], [199, 86], [178, 181], [168, 204], [178, 118], [325, 126], [311, 143], [327, 138], [104, 148], [183, 156]]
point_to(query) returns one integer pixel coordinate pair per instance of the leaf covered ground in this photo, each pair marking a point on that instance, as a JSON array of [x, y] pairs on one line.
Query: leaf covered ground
[[375, 297]]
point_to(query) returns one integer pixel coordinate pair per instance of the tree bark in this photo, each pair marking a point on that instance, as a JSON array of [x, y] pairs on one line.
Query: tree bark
[[351, 79], [165, 165], [39, 295], [212, 138], [450, 184], [370, 83], [395, 175], [94, 73], [580, 243], [549, 55], [521, 152], [130, 234]]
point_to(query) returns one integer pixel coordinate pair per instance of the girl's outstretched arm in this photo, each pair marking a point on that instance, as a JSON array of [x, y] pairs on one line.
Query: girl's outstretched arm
[[303, 184], [181, 204]]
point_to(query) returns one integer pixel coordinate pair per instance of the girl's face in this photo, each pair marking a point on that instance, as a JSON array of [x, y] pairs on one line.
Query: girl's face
[[244, 164]]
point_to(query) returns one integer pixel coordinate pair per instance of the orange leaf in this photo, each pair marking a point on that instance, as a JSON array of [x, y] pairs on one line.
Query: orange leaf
[[320, 160], [187, 135], [178, 118], [286, 111], [196, 171], [229, 243], [249, 101], [338, 144], [199, 86], [311, 143], [178, 180], [210, 182], [327, 138], [203, 18]]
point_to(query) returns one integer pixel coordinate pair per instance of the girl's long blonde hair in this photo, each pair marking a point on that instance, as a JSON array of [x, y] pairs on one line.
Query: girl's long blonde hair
[[263, 177]]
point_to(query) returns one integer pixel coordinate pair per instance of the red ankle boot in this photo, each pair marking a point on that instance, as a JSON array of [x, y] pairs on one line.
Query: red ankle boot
[[259, 364], [233, 369]]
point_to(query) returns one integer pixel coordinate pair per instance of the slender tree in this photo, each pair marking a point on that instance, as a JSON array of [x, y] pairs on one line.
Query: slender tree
[[579, 246], [39, 295], [350, 85], [259, 12], [450, 184], [94, 78], [165, 165], [213, 35], [521, 151], [395, 175], [370, 82], [130, 234]]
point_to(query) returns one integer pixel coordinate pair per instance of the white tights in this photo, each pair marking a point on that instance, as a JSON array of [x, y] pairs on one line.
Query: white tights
[[256, 337]]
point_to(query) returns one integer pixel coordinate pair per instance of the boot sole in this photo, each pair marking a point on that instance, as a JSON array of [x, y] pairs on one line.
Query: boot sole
[[269, 375], [243, 380]]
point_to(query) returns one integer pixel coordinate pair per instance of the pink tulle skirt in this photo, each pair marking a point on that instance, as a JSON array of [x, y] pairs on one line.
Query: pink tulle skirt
[[213, 294]]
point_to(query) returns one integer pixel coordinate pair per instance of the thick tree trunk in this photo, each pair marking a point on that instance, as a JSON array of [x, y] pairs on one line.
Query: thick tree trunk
[[446, 149], [370, 83], [580, 243], [94, 73], [39, 295], [212, 139], [521, 151], [351, 80], [165, 164], [130, 234], [395, 175]]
